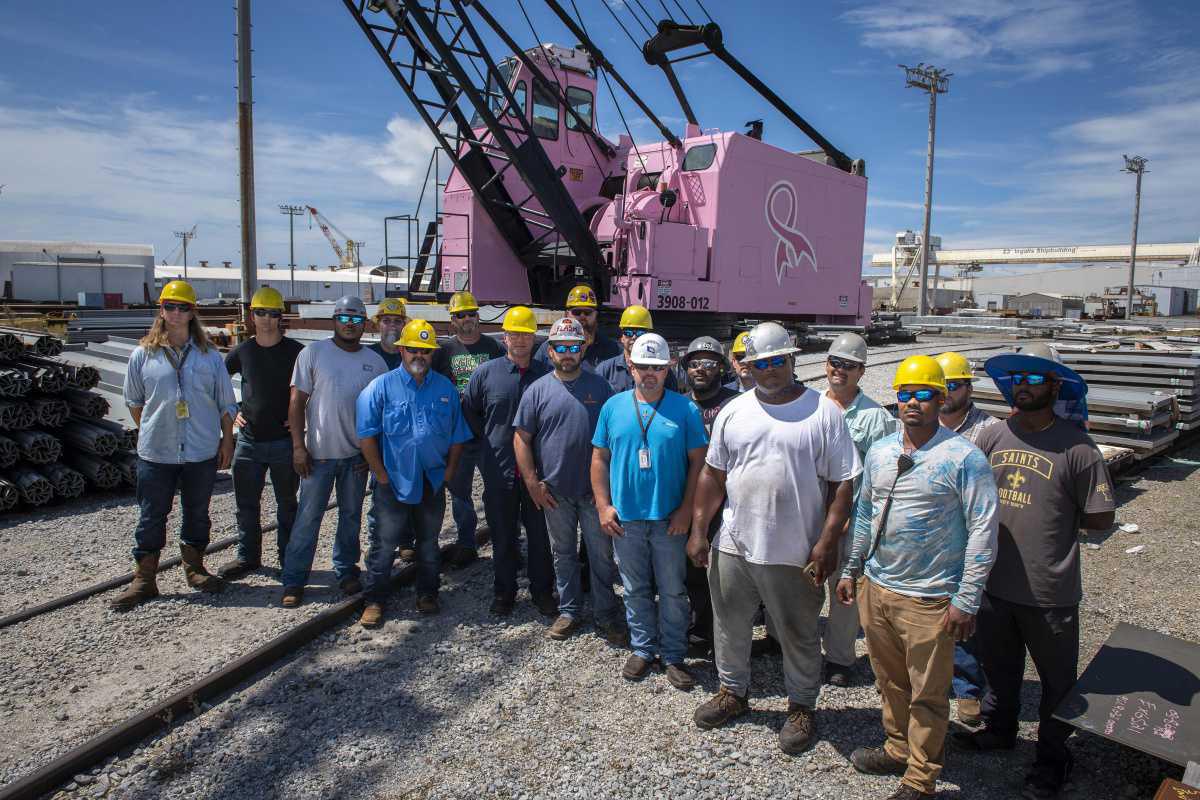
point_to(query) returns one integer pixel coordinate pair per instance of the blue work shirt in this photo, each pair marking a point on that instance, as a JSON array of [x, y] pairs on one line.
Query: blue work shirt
[[616, 371], [416, 426], [677, 428], [561, 417], [490, 404], [151, 384], [601, 349]]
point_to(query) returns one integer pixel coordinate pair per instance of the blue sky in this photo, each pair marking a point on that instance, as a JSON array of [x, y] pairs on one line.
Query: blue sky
[[117, 123]]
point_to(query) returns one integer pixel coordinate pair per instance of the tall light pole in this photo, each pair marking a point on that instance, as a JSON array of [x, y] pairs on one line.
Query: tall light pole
[[187, 236], [292, 212], [1137, 166], [934, 81], [245, 102]]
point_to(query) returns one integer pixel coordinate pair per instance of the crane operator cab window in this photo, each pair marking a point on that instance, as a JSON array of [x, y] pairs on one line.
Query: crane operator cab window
[[581, 104], [545, 111], [496, 99]]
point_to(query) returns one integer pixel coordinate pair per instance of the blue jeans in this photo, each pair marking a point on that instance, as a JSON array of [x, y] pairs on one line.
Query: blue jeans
[[646, 555], [508, 509], [403, 541], [156, 487], [251, 462], [969, 681], [350, 475], [462, 506], [394, 518], [572, 514]]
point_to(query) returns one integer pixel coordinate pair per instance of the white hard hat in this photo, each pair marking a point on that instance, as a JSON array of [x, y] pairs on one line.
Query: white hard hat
[[851, 346], [650, 349], [567, 330], [768, 339]]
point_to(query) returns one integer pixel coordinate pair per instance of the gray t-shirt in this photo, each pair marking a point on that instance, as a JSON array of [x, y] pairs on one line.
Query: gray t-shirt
[[562, 417], [332, 378]]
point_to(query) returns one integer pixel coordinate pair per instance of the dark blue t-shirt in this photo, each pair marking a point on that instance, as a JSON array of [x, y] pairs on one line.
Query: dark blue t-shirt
[[562, 417], [490, 404]]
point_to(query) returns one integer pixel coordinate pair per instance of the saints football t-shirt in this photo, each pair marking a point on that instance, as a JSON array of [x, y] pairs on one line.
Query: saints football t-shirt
[[457, 361]]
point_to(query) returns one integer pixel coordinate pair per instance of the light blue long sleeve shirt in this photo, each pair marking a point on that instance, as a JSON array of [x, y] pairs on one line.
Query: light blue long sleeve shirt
[[940, 539], [151, 385]]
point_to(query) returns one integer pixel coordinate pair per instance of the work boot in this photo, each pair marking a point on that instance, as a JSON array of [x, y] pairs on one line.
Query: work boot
[[350, 585], [636, 668], [876, 761], [428, 604], [615, 633], [906, 792], [502, 605], [463, 556], [838, 675], [143, 587], [546, 604], [722, 707], [969, 712], [372, 615], [408, 555], [800, 730], [562, 627], [197, 576], [236, 569], [292, 596], [679, 677]]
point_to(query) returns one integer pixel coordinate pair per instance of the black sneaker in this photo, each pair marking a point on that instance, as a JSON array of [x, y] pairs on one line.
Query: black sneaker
[[1047, 779], [981, 741], [463, 556]]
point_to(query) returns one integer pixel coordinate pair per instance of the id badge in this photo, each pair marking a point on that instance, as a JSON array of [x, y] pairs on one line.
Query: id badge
[[644, 458], [181, 409]]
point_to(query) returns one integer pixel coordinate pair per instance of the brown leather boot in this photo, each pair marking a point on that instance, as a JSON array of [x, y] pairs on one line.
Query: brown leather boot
[[197, 576], [143, 587]]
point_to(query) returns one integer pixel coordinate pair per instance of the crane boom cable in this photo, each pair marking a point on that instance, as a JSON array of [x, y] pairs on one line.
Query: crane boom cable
[[621, 24], [705, 10], [649, 16], [636, 18], [683, 11]]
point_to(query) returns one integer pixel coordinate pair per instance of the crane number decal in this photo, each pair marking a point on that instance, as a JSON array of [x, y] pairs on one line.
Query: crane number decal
[[792, 244]]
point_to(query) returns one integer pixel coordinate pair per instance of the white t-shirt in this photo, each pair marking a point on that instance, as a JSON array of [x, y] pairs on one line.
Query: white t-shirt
[[777, 459], [332, 378]]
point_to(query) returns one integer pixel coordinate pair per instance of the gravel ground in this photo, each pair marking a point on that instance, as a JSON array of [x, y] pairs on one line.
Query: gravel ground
[[462, 705]]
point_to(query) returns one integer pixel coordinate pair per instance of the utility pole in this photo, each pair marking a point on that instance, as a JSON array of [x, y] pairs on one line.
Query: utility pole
[[292, 212], [1137, 166], [935, 81], [245, 101], [187, 236]]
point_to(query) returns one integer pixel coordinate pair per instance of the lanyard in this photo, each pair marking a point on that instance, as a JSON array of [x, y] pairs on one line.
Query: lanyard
[[170, 353], [645, 426]]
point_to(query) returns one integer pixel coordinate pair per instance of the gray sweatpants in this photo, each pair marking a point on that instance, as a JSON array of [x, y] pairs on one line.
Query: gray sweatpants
[[794, 605]]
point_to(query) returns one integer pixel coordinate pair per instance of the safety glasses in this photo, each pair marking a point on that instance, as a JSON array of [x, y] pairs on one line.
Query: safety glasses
[[393, 320], [465, 314], [417, 351], [843, 364], [267, 312], [350, 319], [954, 386], [567, 348], [703, 363], [1032, 378], [769, 363], [922, 395], [583, 312], [180, 308], [651, 367], [632, 333]]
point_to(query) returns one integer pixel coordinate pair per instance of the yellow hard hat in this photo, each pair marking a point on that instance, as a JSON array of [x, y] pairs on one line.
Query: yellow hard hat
[[392, 305], [418, 333], [636, 317], [462, 301], [179, 291], [955, 366], [920, 371], [739, 344], [266, 297], [582, 296], [519, 319]]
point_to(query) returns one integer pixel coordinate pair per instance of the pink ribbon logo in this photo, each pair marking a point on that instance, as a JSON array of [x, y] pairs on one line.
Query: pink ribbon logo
[[792, 243]]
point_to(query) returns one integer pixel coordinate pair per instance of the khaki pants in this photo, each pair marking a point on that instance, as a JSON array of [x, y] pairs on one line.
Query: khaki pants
[[913, 659]]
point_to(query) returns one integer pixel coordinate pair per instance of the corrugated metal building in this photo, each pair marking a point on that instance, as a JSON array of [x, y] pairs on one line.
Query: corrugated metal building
[[213, 283], [1044, 304], [56, 272]]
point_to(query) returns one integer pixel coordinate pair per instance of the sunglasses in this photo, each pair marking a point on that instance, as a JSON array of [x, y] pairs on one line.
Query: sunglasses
[[922, 395], [651, 367], [633, 333], [267, 312], [392, 319], [772, 362], [737, 356], [567, 348], [180, 307], [954, 386], [1032, 378], [843, 364], [703, 363], [417, 351], [350, 319], [582, 312], [465, 314]]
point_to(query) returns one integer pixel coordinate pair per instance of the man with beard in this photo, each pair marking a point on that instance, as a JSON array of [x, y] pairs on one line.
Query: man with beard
[[554, 426], [390, 318], [924, 541], [868, 422], [411, 429], [490, 404], [704, 363], [325, 384], [457, 358], [782, 464], [743, 376], [635, 321], [1053, 481], [584, 308]]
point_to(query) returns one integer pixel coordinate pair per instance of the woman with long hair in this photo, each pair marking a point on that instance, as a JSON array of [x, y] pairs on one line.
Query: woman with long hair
[[180, 397]]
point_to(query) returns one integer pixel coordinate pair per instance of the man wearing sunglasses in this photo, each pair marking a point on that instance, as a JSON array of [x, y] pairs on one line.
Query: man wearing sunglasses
[[782, 465], [924, 542], [1053, 481], [457, 357], [635, 321], [553, 442], [647, 452], [584, 307], [326, 381], [264, 444], [490, 404], [868, 422]]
